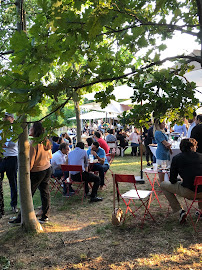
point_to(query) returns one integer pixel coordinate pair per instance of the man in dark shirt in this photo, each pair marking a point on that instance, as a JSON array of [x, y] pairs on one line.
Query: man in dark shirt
[[147, 141], [56, 145], [196, 132], [188, 165]]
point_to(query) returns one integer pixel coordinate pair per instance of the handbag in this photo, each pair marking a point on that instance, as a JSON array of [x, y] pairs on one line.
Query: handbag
[[117, 213]]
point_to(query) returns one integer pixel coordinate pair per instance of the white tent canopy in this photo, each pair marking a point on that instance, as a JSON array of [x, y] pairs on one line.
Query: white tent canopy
[[112, 107], [195, 76], [95, 115], [120, 92]]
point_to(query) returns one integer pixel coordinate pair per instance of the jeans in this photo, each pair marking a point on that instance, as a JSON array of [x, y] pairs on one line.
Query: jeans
[[59, 173], [101, 169], [148, 153], [134, 148], [10, 165], [40, 180]]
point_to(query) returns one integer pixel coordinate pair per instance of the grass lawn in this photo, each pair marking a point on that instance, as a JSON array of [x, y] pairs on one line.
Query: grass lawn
[[81, 236]]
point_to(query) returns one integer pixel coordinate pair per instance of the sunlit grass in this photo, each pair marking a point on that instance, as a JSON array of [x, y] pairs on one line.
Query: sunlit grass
[[81, 236]]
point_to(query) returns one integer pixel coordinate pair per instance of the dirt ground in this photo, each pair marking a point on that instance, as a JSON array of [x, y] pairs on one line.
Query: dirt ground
[[81, 236]]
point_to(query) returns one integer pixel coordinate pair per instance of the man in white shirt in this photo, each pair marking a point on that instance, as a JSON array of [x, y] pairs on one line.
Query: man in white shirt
[[9, 164], [192, 125], [61, 157]]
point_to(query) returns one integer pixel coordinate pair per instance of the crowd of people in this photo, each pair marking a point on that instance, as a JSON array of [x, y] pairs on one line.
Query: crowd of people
[[47, 157]]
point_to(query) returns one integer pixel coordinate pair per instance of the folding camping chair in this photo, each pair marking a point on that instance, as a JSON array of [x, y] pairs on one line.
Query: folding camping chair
[[56, 184], [129, 197], [197, 183], [80, 184], [110, 158], [112, 147]]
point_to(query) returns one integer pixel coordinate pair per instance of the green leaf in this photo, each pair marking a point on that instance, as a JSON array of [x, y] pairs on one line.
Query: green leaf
[[159, 5]]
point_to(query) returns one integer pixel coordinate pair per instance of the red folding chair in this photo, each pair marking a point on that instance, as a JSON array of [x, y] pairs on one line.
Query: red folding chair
[[55, 184], [110, 158], [129, 197], [80, 184], [197, 183]]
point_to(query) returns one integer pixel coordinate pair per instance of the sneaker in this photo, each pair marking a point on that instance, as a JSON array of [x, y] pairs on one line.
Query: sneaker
[[14, 209], [16, 221], [148, 164], [197, 214], [43, 220], [183, 217], [95, 199]]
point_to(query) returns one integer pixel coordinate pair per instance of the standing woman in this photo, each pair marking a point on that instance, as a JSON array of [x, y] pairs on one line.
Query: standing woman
[[135, 142], [40, 170], [163, 146]]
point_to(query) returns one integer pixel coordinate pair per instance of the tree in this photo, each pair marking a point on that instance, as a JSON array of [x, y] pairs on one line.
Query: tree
[[71, 47]]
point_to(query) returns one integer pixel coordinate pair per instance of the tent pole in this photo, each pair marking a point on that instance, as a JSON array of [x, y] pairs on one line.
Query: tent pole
[[140, 178]]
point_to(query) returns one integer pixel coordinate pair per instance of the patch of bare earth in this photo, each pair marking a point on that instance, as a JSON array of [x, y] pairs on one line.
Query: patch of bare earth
[[80, 236]]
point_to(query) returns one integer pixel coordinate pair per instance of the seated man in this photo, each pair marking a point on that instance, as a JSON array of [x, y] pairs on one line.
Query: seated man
[[111, 137], [79, 157], [102, 166], [89, 141], [103, 144], [188, 165], [61, 157]]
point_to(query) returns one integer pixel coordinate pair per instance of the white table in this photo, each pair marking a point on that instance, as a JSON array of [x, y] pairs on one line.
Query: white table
[[174, 150]]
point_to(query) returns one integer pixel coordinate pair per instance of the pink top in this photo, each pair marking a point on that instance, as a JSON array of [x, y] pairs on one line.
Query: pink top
[[134, 138]]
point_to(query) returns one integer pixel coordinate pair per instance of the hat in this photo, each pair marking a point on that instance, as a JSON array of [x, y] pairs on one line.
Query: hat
[[9, 115]]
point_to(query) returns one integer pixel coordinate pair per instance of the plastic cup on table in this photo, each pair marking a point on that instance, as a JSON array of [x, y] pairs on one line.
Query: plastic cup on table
[[155, 166], [91, 158], [164, 164]]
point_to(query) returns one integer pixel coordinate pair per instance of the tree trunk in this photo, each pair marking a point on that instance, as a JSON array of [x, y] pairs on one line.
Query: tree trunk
[[78, 119], [28, 217]]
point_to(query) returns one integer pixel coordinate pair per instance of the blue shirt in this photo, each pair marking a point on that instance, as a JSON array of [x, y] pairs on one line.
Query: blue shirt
[[162, 153], [190, 129], [78, 157], [110, 138], [101, 153], [55, 147], [180, 129]]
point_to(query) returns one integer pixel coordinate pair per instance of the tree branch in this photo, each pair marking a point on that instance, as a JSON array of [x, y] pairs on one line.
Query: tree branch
[[7, 52], [76, 88], [55, 110], [170, 26]]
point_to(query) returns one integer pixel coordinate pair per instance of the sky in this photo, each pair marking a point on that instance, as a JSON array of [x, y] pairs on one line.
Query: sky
[[182, 43], [179, 44]]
